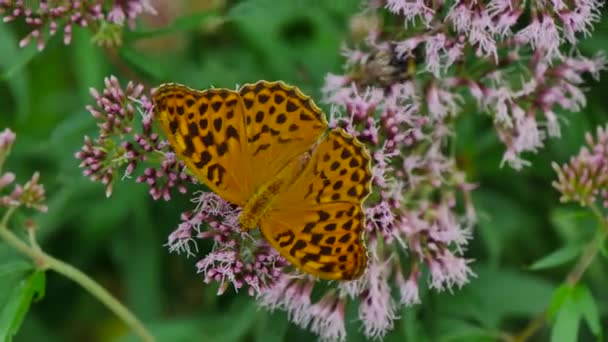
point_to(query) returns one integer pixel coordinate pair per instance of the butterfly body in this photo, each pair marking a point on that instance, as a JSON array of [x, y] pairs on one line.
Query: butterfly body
[[259, 204], [266, 149]]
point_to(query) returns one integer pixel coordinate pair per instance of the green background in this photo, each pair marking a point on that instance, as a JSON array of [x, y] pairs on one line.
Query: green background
[[119, 241]]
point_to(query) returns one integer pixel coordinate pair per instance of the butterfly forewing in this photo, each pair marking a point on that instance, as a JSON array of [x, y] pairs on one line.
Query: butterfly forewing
[[281, 124], [207, 131]]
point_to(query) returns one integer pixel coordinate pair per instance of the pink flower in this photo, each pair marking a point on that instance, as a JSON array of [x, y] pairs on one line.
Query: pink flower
[[49, 15], [377, 308], [448, 270], [7, 138], [542, 34], [6, 179], [292, 295], [584, 179], [328, 318], [408, 289], [29, 195], [411, 10], [122, 146], [442, 103], [236, 259]]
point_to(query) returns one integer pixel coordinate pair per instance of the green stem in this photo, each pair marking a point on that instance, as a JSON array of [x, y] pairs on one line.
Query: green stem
[[12, 240], [100, 293], [532, 328], [44, 261], [592, 248]]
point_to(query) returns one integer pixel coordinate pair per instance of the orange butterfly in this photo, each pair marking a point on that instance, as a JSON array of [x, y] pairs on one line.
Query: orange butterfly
[[265, 149]]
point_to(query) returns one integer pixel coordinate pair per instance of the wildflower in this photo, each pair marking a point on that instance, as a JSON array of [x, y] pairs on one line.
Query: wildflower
[[584, 179], [48, 17], [420, 217], [29, 195], [327, 318], [377, 308], [292, 294], [7, 138], [121, 144], [236, 259], [408, 289]]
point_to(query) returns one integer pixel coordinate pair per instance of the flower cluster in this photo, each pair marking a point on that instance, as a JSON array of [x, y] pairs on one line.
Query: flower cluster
[[411, 221], [237, 258], [400, 97], [507, 58], [30, 195], [120, 145], [400, 92], [46, 18], [584, 179]]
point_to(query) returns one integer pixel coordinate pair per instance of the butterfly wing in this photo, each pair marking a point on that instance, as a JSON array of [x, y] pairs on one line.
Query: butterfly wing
[[317, 222], [234, 142], [281, 124], [207, 131]]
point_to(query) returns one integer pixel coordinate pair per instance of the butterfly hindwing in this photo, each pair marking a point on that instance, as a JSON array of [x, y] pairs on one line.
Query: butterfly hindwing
[[324, 241], [317, 222]]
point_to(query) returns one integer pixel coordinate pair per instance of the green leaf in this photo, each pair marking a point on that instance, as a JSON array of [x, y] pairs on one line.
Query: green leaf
[[565, 327], [588, 308], [14, 268], [574, 225], [500, 220], [559, 297], [557, 258], [568, 306], [12, 59], [18, 303], [497, 293], [24, 57]]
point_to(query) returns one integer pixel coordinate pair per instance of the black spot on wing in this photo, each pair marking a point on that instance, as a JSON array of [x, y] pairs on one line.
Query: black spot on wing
[[205, 159], [300, 244], [263, 98], [216, 105], [291, 107], [260, 148]]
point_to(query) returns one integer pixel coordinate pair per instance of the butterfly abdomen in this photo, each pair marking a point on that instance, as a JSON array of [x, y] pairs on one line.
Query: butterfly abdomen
[[259, 204]]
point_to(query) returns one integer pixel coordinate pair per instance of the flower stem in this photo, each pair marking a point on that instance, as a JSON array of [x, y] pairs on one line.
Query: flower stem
[[591, 250], [44, 261], [574, 276], [100, 293]]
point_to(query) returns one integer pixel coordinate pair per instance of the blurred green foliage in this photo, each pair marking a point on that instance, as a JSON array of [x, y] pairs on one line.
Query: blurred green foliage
[[119, 241]]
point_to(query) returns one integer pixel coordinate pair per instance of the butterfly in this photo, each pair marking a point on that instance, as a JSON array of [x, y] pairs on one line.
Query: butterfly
[[267, 149]]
